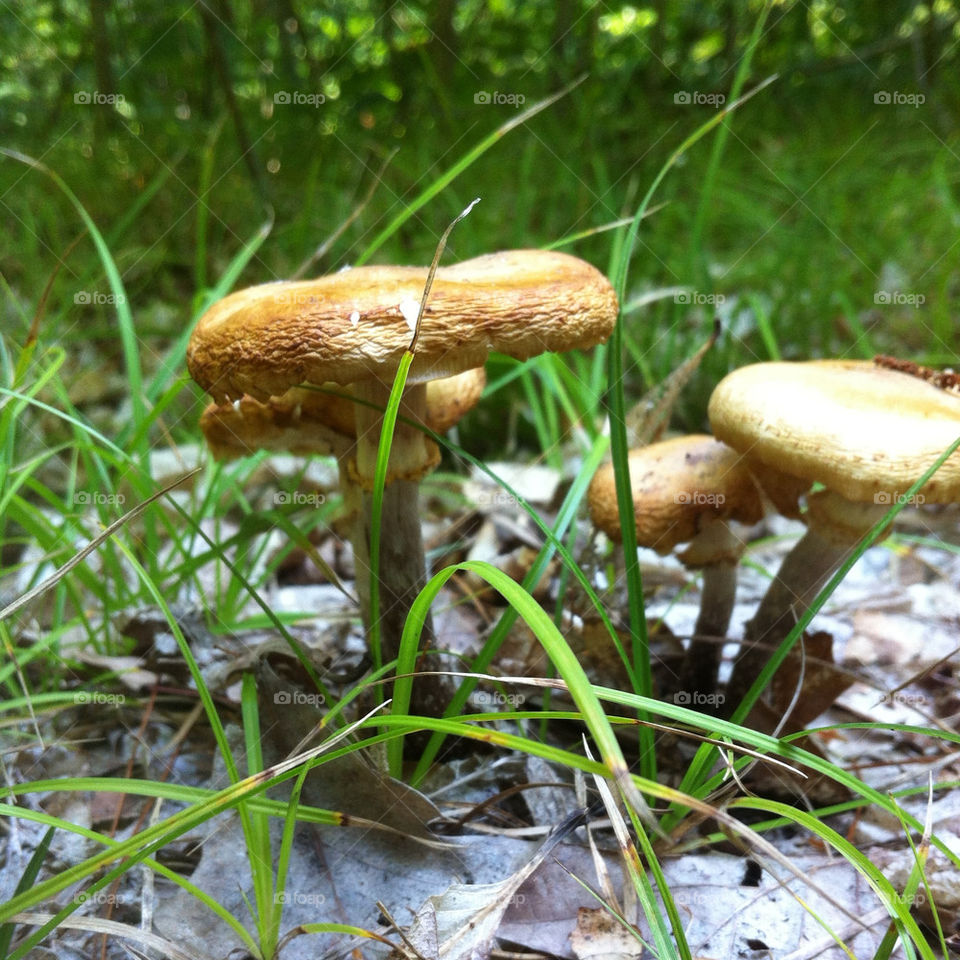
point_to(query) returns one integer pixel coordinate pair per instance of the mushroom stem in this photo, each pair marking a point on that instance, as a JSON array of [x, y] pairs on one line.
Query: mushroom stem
[[401, 571], [800, 578], [716, 550], [834, 527], [702, 661]]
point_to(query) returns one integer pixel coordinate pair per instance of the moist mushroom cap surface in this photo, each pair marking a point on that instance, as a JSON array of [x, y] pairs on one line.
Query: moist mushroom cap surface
[[355, 325], [679, 485], [865, 432]]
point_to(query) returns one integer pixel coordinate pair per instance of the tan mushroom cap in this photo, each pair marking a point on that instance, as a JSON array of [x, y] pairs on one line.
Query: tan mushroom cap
[[864, 432], [679, 486], [355, 325], [307, 421]]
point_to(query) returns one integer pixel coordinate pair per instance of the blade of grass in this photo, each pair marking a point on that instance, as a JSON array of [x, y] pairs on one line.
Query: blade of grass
[[27, 880], [619, 446], [128, 336], [557, 649]]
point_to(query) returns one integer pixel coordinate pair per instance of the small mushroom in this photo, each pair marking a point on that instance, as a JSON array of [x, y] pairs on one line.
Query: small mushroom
[[353, 328], [864, 432], [686, 490]]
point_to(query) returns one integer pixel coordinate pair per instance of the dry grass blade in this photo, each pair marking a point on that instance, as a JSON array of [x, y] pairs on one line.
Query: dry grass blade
[[112, 928]]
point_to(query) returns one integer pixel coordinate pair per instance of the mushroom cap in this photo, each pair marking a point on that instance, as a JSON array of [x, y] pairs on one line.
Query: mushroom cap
[[863, 431], [356, 324], [318, 422], [450, 399], [679, 486]]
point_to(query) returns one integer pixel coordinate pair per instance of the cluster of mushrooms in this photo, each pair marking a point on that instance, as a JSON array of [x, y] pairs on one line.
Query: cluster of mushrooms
[[307, 367], [849, 438]]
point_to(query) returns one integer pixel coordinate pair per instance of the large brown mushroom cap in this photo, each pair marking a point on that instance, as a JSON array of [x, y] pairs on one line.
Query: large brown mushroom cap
[[679, 486], [355, 325], [863, 431]]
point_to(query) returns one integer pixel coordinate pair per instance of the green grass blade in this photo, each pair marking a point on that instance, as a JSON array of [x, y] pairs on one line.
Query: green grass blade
[[556, 648]]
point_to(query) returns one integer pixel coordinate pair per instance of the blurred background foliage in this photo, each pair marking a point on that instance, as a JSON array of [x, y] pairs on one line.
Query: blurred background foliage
[[184, 128]]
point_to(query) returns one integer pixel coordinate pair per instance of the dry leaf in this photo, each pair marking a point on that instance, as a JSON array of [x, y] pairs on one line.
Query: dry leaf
[[598, 934]]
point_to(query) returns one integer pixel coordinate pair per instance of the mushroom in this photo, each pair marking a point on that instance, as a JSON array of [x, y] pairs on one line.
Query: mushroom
[[308, 421], [686, 490], [353, 328], [866, 433]]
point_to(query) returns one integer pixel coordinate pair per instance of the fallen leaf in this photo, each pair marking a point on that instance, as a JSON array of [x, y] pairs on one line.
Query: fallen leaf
[[599, 934]]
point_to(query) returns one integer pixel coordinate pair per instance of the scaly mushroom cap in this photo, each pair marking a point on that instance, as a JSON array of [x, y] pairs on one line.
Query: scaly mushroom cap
[[679, 486], [865, 432], [355, 325], [318, 422]]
